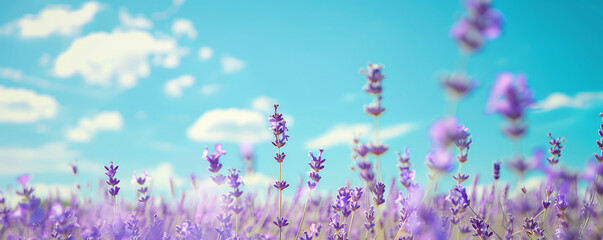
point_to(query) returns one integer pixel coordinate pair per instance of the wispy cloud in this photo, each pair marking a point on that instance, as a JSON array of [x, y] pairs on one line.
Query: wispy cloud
[[559, 100], [340, 134], [206, 53], [54, 19], [122, 55], [264, 104], [232, 65], [184, 27], [18, 105], [42, 159], [174, 87], [230, 125], [210, 89], [87, 127], [137, 21], [343, 134]]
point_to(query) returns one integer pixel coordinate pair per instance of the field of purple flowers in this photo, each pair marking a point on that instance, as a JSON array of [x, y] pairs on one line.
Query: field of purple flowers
[[399, 208]]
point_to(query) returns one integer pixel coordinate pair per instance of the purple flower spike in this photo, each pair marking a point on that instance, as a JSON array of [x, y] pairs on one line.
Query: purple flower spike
[[214, 159], [481, 23], [496, 170], [278, 125], [281, 185], [555, 149], [362, 150], [510, 96], [599, 157], [112, 181], [379, 190], [378, 149], [375, 77], [482, 229], [280, 222], [375, 109], [459, 85]]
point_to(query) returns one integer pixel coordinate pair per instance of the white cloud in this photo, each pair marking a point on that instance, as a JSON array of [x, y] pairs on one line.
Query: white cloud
[[161, 175], [264, 104], [230, 125], [137, 21], [395, 131], [343, 134], [54, 19], [559, 100], [231, 65], [11, 73], [100, 57], [18, 105], [210, 89], [340, 134], [184, 27], [50, 157], [205, 53], [174, 87], [88, 126]]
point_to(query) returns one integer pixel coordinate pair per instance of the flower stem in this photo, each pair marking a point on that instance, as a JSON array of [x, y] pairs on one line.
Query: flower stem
[[280, 197], [304, 215]]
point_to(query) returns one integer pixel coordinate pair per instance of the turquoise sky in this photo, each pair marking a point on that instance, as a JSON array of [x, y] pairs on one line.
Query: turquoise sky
[[89, 81]]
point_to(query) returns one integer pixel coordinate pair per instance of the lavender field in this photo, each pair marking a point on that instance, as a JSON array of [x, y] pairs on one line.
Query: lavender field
[[399, 161]]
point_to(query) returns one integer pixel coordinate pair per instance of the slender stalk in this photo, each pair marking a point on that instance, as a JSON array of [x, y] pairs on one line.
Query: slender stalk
[[592, 198], [351, 222], [237, 221], [480, 218], [304, 215], [280, 197]]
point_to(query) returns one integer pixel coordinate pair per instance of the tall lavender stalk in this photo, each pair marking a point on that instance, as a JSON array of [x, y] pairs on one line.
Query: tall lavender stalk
[[373, 87], [279, 129], [315, 167], [112, 182]]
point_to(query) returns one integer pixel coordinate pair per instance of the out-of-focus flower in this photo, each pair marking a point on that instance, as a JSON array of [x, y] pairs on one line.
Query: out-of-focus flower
[[439, 160], [510, 96], [378, 149], [375, 77], [23, 179], [446, 131], [379, 190], [458, 85], [481, 23], [375, 109]]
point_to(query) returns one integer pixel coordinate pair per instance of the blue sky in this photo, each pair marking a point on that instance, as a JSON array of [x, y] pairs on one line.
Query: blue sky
[[148, 85]]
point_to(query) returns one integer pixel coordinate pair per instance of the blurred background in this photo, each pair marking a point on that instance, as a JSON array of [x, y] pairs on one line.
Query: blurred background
[[148, 85]]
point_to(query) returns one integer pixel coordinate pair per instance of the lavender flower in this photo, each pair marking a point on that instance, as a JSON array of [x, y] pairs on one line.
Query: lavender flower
[[555, 149], [112, 181], [510, 96], [496, 170], [375, 77], [406, 176], [379, 190], [599, 157], [458, 85], [482, 23], [315, 166], [214, 158], [482, 229]]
